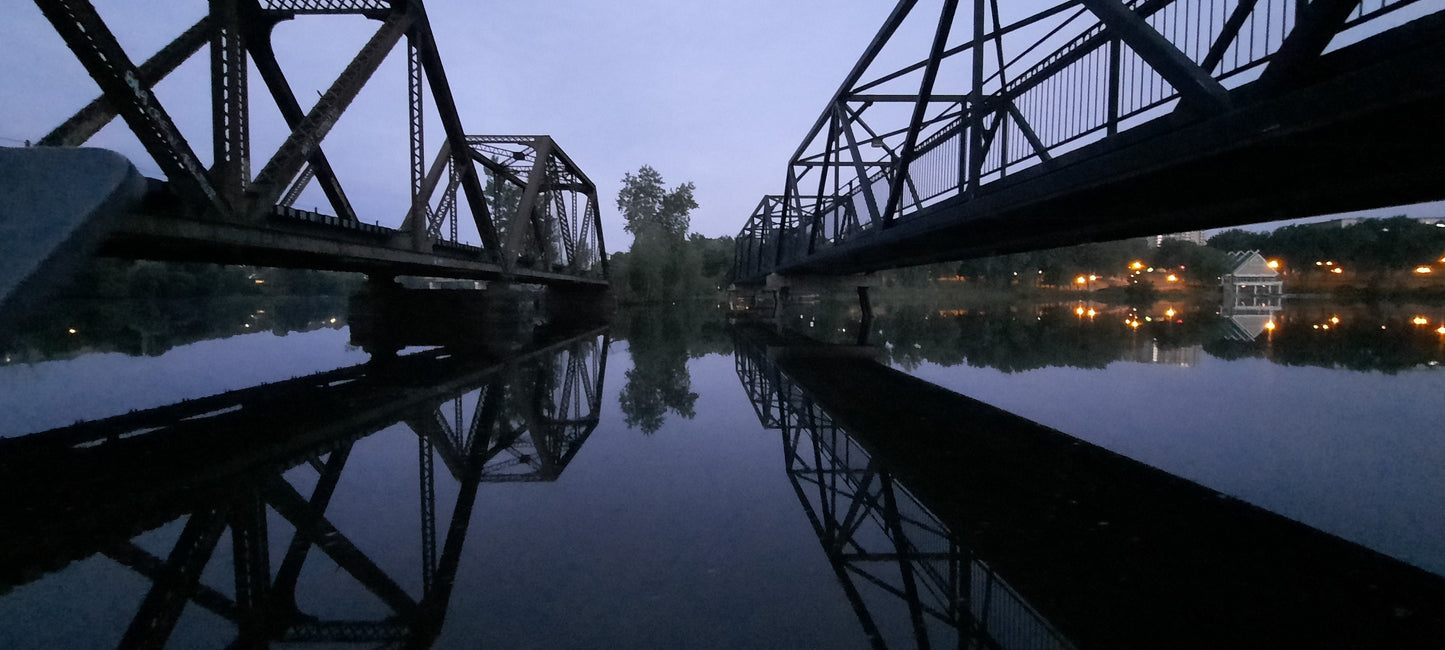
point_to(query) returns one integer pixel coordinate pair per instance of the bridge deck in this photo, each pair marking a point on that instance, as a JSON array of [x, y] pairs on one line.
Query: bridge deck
[[303, 239]]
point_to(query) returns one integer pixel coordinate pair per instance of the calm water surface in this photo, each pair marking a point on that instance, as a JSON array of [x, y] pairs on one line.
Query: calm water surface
[[643, 485]]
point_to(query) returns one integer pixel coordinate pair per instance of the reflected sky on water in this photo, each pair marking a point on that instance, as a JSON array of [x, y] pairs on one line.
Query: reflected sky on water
[[675, 521]]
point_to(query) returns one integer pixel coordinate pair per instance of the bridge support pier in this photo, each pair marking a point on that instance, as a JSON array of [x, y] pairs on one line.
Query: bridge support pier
[[781, 294], [386, 317], [572, 305]]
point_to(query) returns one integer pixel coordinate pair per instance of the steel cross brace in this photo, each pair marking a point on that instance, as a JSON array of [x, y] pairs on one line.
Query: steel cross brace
[[271, 182], [258, 43], [99, 112], [102, 56]]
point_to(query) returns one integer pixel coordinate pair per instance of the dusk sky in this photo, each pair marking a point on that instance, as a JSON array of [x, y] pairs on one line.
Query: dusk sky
[[719, 94]]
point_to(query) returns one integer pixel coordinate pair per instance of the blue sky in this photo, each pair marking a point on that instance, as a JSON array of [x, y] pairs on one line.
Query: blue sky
[[719, 94]]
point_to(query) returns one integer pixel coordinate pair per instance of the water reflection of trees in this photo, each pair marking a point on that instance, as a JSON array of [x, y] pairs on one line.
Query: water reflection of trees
[[660, 341], [1015, 337], [145, 327]]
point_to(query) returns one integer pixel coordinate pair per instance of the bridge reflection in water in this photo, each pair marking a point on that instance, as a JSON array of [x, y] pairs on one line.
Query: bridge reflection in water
[[231, 461], [987, 530]]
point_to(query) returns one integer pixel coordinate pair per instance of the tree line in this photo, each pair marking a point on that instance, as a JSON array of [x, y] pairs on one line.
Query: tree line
[[666, 263], [1393, 244]]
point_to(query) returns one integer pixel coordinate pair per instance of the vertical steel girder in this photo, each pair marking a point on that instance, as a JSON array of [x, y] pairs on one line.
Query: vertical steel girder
[[415, 135], [530, 198], [427, 475], [272, 180], [441, 91], [251, 562], [99, 112], [231, 161], [97, 50]]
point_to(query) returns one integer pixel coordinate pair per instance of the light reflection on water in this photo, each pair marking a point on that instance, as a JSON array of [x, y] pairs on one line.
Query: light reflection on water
[[677, 520]]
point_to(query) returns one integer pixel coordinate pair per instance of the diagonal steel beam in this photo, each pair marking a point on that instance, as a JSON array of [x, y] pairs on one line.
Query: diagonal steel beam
[[860, 170], [314, 527], [1193, 83], [171, 591], [154, 569], [107, 63], [428, 187], [271, 182], [1317, 24], [535, 180], [99, 112], [920, 107], [890, 25], [1028, 132], [284, 585], [258, 43], [446, 106], [1227, 33]]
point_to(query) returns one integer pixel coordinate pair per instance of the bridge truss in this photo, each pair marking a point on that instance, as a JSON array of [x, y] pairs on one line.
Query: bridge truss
[[894, 559], [223, 212], [999, 103], [228, 461]]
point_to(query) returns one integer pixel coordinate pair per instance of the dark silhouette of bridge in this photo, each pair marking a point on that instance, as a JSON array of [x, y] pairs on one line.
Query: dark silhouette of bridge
[[536, 213], [993, 531], [512, 413], [1104, 119]]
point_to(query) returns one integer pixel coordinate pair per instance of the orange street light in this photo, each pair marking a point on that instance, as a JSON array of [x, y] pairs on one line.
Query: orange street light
[[1274, 264], [1422, 270]]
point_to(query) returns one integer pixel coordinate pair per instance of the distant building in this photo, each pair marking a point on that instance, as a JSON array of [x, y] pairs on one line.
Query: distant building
[[1195, 237], [1249, 275]]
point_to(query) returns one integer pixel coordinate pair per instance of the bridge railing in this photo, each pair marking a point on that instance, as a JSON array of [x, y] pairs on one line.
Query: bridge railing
[[1025, 93]]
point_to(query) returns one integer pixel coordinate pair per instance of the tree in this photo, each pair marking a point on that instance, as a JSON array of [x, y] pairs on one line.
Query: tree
[[660, 266], [646, 205], [503, 198]]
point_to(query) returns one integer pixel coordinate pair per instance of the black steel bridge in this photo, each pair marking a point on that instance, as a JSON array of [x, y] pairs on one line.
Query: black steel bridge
[[536, 213], [993, 531], [1094, 120], [229, 461]]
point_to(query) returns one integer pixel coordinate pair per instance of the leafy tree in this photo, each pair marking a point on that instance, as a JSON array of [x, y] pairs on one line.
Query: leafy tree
[[504, 199], [660, 266], [646, 204]]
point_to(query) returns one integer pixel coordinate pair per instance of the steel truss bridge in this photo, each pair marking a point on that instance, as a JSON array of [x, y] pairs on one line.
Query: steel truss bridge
[[536, 213], [227, 461], [980, 529], [1104, 119]]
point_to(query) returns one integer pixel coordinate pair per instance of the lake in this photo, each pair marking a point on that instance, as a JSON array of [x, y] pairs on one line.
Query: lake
[[1020, 474]]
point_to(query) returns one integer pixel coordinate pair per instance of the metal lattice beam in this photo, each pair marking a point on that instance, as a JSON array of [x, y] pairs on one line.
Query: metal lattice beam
[[96, 48]]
